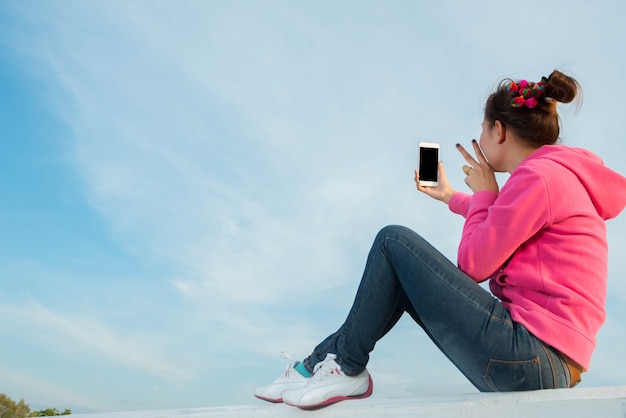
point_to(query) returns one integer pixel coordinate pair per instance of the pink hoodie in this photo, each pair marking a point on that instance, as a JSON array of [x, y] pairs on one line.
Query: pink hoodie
[[542, 243]]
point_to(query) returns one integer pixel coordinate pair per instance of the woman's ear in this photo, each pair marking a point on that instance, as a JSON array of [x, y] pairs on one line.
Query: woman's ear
[[501, 131]]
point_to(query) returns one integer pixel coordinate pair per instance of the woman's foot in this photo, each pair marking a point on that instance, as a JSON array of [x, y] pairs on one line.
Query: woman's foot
[[329, 385], [290, 379]]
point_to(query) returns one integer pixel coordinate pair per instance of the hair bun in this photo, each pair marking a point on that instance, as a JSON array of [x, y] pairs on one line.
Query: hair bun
[[561, 87]]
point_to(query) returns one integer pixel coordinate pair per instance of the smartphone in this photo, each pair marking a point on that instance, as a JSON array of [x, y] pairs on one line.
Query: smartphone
[[428, 163]]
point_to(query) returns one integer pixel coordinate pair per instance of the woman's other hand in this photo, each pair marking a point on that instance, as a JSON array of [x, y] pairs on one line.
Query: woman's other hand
[[479, 174]]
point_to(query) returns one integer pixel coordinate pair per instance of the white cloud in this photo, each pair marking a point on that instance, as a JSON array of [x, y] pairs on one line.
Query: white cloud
[[84, 336], [231, 212], [43, 394]]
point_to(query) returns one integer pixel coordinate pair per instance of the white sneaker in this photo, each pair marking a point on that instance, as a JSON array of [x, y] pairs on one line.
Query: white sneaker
[[329, 385], [290, 379]]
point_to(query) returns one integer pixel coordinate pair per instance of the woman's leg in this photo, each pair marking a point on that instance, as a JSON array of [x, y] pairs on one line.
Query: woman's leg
[[470, 326], [377, 307]]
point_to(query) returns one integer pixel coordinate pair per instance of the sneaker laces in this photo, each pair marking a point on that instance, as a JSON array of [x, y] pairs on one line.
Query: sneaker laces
[[326, 367], [291, 364]]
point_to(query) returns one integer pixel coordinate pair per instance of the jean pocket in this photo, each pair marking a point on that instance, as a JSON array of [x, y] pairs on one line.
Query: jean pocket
[[505, 376]]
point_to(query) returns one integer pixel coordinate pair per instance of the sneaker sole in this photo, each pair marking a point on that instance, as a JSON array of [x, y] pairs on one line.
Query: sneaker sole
[[336, 399], [272, 400]]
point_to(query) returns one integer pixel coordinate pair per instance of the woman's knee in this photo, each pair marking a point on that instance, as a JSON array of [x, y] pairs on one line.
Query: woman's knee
[[397, 232]]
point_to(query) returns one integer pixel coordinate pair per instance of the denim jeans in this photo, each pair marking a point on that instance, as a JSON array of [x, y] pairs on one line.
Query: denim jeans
[[404, 273]]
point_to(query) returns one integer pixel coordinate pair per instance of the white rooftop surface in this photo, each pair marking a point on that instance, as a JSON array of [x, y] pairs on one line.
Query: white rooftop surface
[[599, 402]]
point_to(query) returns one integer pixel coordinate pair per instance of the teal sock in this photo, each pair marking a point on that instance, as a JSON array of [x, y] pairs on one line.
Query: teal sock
[[302, 370]]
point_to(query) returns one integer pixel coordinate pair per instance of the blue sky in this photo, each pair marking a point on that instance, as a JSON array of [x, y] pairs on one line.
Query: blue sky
[[190, 187]]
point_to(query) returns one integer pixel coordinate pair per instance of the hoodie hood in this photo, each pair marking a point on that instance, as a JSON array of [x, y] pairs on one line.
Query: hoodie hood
[[606, 187]]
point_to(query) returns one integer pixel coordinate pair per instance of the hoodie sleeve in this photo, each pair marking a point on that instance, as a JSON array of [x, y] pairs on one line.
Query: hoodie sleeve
[[497, 224], [459, 203]]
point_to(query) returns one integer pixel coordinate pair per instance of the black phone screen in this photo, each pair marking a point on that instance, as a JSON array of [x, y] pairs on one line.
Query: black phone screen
[[429, 160]]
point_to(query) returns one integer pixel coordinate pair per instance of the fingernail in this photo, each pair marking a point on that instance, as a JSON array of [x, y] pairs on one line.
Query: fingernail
[[458, 145], [473, 141]]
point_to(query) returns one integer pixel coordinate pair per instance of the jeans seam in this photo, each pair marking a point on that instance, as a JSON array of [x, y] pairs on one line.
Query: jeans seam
[[568, 372], [555, 382], [504, 321]]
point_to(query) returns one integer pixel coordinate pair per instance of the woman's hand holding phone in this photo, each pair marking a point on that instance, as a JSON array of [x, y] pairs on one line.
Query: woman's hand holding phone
[[442, 191]]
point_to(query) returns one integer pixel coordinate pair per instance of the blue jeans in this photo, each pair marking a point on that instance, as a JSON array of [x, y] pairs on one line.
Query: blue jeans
[[404, 273]]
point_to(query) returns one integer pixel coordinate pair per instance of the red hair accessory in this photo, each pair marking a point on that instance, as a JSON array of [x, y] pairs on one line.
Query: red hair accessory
[[526, 94]]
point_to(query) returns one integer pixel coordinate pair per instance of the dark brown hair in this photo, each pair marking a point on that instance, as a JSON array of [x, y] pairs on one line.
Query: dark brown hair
[[538, 125]]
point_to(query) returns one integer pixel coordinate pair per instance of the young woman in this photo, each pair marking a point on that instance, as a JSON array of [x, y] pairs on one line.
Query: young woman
[[540, 241]]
